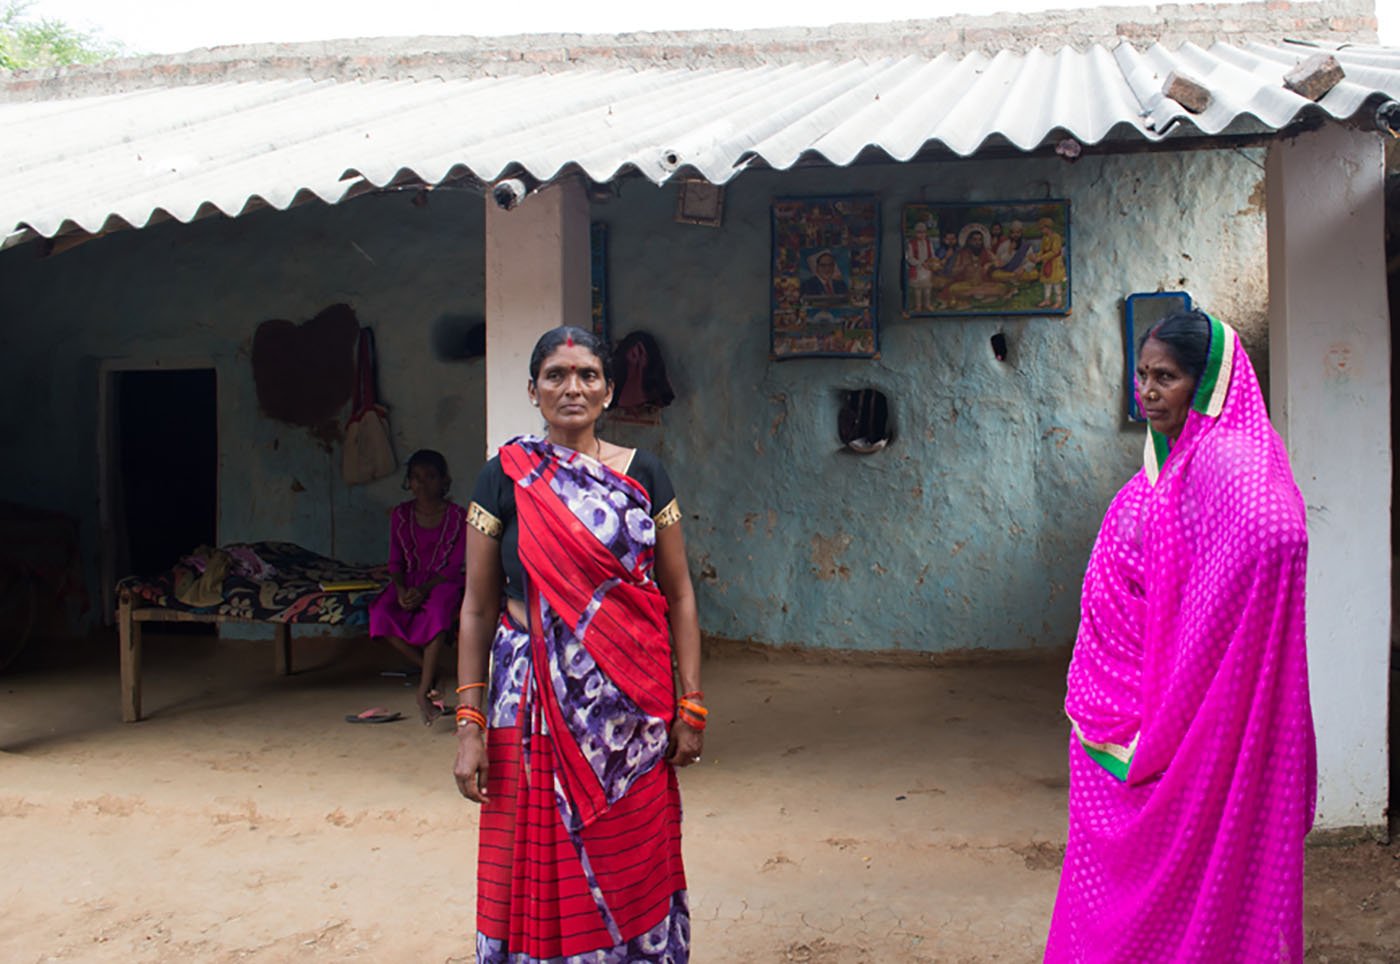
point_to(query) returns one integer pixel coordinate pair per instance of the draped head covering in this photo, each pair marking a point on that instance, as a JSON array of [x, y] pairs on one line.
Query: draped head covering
[[1193, 765]]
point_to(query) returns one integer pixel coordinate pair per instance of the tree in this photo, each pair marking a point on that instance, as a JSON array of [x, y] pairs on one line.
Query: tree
[[27, 43]]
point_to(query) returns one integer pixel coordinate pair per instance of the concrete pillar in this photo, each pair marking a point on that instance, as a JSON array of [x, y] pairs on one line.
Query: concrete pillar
[[537, 278], [1329, 338]]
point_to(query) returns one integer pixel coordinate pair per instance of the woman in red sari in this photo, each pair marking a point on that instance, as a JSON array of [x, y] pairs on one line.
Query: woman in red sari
[[569, 724]]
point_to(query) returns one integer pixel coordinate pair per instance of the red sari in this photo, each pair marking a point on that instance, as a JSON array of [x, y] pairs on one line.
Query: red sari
[[580, 839]]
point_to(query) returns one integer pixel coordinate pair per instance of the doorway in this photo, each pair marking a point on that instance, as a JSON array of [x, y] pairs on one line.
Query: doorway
[[160, 469]]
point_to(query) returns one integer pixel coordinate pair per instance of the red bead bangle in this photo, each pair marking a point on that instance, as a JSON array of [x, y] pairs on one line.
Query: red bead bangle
[[470, 714]]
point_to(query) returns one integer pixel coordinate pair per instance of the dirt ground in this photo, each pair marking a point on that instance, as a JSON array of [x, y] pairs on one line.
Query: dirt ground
[[843, 813]]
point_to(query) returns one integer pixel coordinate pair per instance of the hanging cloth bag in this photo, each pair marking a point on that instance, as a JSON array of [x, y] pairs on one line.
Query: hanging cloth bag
[[368, 452]]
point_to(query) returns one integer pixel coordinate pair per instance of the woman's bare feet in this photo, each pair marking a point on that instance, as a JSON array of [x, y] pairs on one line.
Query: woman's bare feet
[[428, 707]]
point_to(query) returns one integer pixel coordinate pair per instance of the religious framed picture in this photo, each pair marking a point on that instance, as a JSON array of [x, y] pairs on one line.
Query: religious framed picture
[[823, 291], [985, 258], [1141, 311]]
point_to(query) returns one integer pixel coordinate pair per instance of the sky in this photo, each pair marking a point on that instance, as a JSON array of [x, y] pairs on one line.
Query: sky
[[172, 26]]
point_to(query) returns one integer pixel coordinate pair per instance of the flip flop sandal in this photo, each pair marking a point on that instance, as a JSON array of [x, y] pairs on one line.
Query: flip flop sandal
[[375, 714]]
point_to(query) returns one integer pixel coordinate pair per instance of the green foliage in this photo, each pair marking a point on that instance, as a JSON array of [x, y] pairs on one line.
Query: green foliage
[[27, 43]]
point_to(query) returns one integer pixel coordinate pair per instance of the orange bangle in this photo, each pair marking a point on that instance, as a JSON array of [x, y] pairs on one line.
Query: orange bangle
[[693, 707], [470, 714], [469, 686]]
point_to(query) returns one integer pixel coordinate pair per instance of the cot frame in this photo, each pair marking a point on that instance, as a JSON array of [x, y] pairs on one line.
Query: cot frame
[[130, 617]]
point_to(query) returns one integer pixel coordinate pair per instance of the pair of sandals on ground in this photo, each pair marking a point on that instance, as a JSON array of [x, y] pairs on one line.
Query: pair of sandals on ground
[[434, 710]]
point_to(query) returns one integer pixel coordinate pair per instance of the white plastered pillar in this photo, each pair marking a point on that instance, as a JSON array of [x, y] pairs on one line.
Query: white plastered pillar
[[1329, 369], [537, 278]]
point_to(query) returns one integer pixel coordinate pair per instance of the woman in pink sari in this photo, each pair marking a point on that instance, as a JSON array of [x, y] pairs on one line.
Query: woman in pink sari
[[427, 551], [1192, 761]]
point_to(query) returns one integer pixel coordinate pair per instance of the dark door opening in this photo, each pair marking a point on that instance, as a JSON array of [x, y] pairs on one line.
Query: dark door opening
[[167, 485]]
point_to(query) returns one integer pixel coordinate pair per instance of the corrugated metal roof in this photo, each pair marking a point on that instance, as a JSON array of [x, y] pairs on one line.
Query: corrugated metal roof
[[128, 159]]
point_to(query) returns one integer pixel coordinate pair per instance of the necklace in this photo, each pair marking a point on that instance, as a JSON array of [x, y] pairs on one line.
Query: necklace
[[441, 547], [597, 448]]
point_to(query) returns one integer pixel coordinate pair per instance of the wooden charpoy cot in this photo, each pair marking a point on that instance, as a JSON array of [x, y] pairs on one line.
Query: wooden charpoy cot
[[277, 583]]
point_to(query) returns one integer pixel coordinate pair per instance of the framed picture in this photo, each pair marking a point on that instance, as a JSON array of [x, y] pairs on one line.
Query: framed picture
[[985, 258], [700, 202], [598, 270], [823, 291], [1140, 312]]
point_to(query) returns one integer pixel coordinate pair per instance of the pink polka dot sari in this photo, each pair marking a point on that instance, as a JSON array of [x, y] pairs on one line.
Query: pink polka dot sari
[[1192, 762]]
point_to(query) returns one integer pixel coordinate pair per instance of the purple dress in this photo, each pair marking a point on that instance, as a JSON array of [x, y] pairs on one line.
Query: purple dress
[[420, 554]]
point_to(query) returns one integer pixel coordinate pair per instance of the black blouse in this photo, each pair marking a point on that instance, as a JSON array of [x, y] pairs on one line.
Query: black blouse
[[492, 509]]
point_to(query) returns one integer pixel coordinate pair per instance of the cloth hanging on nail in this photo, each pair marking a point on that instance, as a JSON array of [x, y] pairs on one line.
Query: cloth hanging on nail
[[368, 453], [641, 373]]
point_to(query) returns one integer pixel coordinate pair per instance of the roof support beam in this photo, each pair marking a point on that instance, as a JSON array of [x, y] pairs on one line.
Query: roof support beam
[[537, 278], [1329, 369]]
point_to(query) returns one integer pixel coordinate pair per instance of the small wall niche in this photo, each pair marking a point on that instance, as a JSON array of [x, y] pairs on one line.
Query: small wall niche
[[863, 423]]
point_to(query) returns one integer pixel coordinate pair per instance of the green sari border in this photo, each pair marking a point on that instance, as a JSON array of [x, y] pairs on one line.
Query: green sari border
[[1116, 759], [1155, 454], [1220, 364], [1115, 767]]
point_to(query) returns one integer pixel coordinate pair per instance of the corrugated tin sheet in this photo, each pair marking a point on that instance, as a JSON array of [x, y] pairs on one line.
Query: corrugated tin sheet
[[128, 159]]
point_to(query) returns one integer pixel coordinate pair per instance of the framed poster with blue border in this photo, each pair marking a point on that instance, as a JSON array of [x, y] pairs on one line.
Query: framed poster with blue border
[[824, 280], [985, 258], [1141, 311]]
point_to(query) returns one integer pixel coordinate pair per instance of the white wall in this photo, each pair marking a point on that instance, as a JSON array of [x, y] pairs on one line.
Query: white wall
[[537, 278], [1330, 363]]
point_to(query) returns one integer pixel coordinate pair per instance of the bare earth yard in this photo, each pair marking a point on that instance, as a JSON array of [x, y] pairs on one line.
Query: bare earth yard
[[844, 812]]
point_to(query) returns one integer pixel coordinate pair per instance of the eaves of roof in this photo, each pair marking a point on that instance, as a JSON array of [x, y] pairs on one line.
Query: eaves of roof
[[99, 163]]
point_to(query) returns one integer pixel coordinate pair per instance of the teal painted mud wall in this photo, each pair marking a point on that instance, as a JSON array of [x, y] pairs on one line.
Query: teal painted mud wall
[[194, 294], [970, 531]]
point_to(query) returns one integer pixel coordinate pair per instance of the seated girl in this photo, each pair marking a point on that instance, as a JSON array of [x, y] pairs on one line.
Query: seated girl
[[418, 611]]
